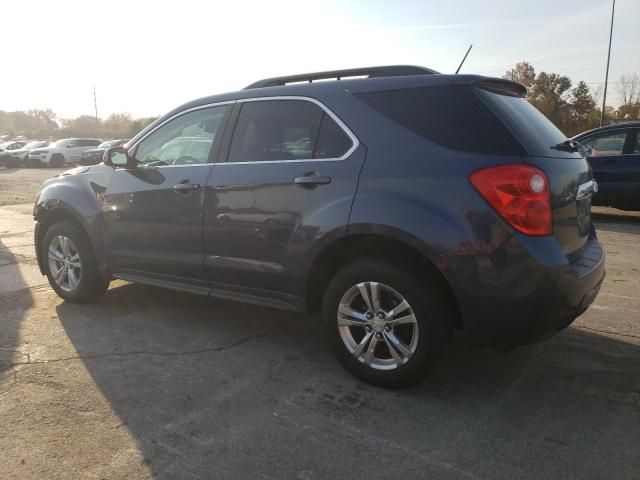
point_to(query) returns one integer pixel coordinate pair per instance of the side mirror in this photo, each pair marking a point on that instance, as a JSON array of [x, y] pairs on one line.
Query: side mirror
[[117, 157]]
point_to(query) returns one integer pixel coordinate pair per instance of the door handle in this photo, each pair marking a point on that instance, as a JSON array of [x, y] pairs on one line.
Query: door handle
[[185, 187], [310, 180]]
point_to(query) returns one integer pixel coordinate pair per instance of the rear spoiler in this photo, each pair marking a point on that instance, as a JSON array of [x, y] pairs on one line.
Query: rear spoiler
[[501, 85]]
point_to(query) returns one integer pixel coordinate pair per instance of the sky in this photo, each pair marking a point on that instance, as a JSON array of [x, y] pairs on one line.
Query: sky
[[146, 58]]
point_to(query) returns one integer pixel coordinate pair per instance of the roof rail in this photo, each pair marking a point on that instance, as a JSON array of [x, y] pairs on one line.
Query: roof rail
[[370, 72]]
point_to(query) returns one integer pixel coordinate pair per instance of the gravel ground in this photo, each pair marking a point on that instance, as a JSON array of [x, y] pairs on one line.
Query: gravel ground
[[151, 383], [20, 185]]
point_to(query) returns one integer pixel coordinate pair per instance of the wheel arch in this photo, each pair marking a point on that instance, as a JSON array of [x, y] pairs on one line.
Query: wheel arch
[[394, 247], [50, 209], [46, 217]]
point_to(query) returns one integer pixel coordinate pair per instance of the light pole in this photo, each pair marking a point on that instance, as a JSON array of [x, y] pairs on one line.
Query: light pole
[[606, 77]]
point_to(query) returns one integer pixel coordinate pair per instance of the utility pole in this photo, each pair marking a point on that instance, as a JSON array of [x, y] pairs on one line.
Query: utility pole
[[606, 77], [95, 102]]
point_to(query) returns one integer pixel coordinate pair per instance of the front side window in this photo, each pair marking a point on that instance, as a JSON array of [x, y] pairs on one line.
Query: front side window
[[604, 145], [270, 130], [185, 140]]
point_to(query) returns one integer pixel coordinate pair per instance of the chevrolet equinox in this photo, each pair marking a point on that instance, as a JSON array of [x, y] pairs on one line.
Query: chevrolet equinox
[[398, 203]]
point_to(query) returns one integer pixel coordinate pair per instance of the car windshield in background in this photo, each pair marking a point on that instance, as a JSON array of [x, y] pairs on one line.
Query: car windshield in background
[[536, 133], [108, 144], [60, 143], [35, 145]]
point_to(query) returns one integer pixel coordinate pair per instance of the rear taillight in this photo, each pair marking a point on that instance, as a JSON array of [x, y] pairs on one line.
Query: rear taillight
[[520, 195]]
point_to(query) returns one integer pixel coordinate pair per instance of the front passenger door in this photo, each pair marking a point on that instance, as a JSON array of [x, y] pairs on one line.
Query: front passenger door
[[74, 149], [604, 153]]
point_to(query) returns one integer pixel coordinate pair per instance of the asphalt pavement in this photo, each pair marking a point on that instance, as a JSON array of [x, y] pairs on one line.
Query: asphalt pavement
[[154, 383]]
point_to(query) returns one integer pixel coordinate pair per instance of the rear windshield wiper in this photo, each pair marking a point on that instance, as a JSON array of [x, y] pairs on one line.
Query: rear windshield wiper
[[567, 146]]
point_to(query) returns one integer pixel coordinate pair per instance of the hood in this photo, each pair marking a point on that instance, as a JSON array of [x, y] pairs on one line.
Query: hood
[[19, 151], [74, 171]]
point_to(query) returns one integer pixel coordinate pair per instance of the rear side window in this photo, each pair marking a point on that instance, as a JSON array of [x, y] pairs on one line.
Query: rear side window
[[535, 132], [333, 142], [449, 115], [269, 130]]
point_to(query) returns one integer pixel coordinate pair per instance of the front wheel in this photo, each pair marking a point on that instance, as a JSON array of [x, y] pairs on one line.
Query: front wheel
[[57, 160], [386, 326], [70, 264]]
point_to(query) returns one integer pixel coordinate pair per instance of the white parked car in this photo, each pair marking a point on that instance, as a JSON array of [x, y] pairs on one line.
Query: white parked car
[[67, 150], [18, 157]]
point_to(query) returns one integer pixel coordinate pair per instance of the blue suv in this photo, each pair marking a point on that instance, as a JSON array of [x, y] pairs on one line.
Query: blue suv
[[397, 202]]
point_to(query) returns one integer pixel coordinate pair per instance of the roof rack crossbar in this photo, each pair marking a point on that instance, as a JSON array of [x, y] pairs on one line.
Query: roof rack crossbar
[[371, 72]]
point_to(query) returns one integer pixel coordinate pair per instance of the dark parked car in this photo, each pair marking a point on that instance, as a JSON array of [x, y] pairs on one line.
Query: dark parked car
[[614, 154], [17, 157], [409, 204], [94, 155]]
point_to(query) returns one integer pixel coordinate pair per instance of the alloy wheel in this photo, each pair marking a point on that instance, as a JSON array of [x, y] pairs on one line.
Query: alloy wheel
[[64, 263], [377, 325]]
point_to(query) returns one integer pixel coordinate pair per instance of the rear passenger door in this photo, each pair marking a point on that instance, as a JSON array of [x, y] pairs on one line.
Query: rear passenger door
[[604, 153], [285, 180]]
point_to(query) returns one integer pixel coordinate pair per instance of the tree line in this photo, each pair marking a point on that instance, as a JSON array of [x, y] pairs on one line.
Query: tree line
[[44, 125], [573, 110]]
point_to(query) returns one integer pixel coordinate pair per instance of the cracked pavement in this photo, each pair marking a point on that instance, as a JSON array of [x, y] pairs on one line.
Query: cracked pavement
[[152, 383]]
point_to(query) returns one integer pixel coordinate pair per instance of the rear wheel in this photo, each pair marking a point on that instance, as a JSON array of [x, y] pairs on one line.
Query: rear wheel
[[385, 325], [70, 264], [57, 160]]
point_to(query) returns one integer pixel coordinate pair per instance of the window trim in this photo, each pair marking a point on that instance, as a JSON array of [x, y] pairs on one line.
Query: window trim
[[354, 140], [613, 131], [133, 148]]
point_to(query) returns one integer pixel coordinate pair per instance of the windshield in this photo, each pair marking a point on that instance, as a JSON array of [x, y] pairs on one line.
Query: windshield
[[35, 144], [60, 143], [535, 131], [107, 144]]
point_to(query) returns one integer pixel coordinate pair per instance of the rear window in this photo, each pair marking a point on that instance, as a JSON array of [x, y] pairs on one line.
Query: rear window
[[451, 116], [534, 131]]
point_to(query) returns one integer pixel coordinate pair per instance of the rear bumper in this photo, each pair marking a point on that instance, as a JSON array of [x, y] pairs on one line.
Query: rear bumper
[[519, 295]]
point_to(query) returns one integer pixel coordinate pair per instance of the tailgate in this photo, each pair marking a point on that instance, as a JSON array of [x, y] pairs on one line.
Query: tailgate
[[570, 189]]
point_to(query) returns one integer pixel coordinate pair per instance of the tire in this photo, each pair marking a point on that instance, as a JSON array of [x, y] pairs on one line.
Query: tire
[[431, 320], [89, 283], [57, 160]]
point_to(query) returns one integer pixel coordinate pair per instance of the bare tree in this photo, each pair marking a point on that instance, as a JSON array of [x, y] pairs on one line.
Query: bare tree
[[628, 87]]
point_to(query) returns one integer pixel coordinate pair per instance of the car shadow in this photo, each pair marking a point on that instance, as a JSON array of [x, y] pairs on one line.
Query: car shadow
[[613, 220], [211, 388], [15, 299], [617, 223]]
